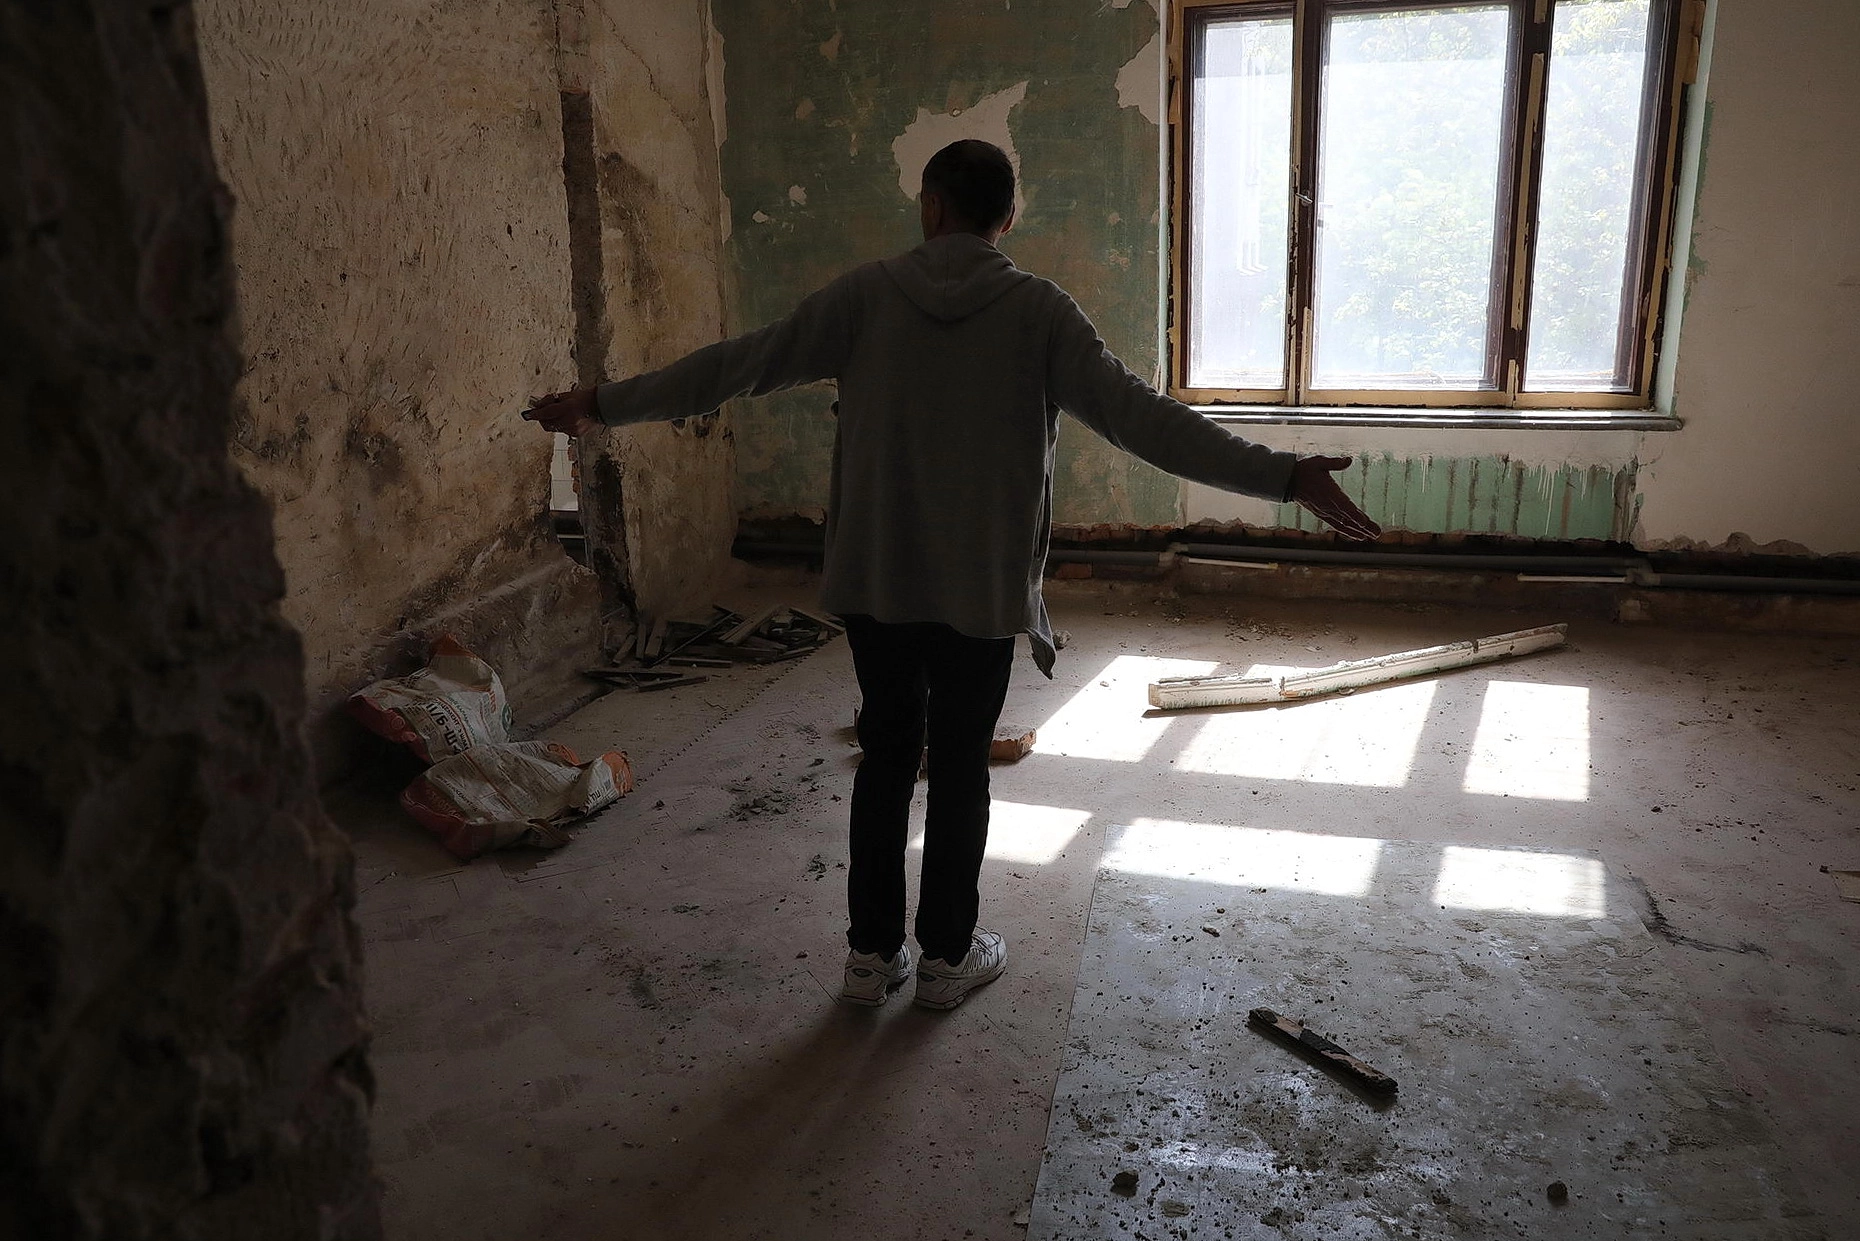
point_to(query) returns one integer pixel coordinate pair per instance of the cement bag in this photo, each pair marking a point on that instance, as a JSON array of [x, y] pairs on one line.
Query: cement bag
[[452, 704], [516, 793]]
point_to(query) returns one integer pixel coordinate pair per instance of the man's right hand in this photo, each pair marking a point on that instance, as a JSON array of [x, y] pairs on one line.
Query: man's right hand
[[573, 413], [1315, 489]]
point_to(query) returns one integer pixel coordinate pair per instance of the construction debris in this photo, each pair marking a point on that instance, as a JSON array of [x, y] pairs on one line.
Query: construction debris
[[723, 640], [1293, 1032], [1011, 744], [655, 640], [452, 704], [513, 793], [1174, 693], [642, 679], [1846, 883], [482, 791]]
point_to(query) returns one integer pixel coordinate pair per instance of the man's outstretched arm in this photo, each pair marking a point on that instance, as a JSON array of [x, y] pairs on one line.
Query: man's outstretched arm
[[808, 345], [1088, 381]]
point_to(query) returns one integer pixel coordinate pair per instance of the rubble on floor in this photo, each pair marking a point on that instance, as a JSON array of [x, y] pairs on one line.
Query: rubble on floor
[[481, 791], [455, 702], [723, 640]]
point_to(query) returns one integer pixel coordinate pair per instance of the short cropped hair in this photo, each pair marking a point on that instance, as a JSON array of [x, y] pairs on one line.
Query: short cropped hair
[[975, 180]]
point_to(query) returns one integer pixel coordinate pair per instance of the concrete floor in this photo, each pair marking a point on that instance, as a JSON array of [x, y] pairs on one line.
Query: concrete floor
[[1508, 992], [634, 1036]]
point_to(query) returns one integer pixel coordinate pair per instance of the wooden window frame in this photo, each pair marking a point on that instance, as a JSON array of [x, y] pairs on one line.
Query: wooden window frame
[[1673, 41]]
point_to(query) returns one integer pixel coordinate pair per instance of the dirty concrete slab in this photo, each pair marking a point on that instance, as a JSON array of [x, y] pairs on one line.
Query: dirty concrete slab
[[637, 1035], [1531, 1049], [539, 1016]]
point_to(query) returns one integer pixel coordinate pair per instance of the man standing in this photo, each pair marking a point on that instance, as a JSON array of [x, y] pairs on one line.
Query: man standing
[[952, 366]]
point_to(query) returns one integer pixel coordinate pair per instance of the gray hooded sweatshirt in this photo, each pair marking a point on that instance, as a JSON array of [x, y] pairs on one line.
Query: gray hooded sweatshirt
[[952, 366]]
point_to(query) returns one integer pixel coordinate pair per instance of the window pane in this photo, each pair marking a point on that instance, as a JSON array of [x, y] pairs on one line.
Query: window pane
[[1598, 65], [1408, 167], [1239, 191]]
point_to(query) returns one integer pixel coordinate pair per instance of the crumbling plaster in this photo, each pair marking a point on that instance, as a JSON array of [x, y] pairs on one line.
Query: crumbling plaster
[[652, 66], [1761, 374], [400, 236], [182, 1049], [821, 101]]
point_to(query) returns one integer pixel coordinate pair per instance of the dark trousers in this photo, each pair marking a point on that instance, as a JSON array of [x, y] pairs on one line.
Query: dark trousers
[[922, 681]]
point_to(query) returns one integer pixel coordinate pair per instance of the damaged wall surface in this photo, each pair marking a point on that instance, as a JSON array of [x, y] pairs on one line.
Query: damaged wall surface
[[182, 1052], [832, 110], [401, 241], [1760, 368], [648, 69], [1562, 486]]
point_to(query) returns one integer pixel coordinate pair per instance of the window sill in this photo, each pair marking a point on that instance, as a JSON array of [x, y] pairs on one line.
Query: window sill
[[1470, 419]]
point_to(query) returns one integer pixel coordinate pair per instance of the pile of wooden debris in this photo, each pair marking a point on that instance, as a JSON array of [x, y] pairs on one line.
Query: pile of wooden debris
[[727, 638]]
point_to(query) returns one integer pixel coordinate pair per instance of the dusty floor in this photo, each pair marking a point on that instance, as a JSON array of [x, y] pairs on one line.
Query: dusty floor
[[1510, 994], [634, 1037]]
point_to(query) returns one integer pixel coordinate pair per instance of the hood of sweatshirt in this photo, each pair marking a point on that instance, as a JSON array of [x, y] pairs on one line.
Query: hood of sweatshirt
[[952, 277]]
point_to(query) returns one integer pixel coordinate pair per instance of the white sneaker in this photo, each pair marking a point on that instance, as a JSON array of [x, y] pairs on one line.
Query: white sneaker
[[869, 977], [942, 985]]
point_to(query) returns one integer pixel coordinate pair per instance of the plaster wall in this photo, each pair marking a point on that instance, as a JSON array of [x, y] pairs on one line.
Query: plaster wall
[[1759, 365], [402, 259], [832, 111], [182, 1048], [1767, 376], [650, 69]]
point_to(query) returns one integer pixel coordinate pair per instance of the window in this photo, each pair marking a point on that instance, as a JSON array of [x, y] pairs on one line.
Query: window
[[1421, 202]]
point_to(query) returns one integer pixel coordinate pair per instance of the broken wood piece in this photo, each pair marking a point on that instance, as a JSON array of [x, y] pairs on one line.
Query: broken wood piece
[[796, 635], [1293, 1032], [629, 676], [1011, 744], [656, 643], [653, 687], [712, 650], [775, 657], [750, 625], [1847, 883], [694, 661], [825, 622], [612, 675], [722, 619], [1174, 693]]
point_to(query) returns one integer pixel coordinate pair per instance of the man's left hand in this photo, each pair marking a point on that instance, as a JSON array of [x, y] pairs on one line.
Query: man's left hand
[[1315, 489], [572, 413]]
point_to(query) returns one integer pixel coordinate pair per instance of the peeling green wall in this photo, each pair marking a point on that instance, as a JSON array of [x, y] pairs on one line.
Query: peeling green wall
[[817, 92]]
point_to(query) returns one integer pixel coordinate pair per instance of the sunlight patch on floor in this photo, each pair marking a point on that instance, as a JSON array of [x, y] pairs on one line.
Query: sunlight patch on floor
[[1367, 739], [1021, 833], [1533, 741], [1556, 884], [1247, 856], [1105, 720]]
